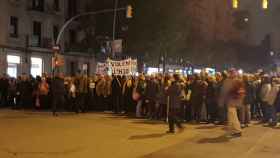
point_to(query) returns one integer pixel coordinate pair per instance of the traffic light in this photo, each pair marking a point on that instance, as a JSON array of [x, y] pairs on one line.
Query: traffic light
[[129, 12]]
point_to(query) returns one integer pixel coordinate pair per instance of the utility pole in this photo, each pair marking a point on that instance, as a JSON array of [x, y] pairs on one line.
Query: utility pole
[[115, 19], [114, 25]]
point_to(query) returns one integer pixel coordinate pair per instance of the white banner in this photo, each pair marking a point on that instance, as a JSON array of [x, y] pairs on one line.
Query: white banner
[[116, 46], [123, 67]]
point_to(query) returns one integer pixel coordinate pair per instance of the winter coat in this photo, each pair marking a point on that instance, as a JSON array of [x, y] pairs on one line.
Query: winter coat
[[272, 95], [58, 88], [234, 92], [250, 94], [152, 90], [211, 93], [141, 87], [174, 92], [116, 86], [264, 92], [43, 88], [162, 96], [25, 89], [82, 84], [198, 89]]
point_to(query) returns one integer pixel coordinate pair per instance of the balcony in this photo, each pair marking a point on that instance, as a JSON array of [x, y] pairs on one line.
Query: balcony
[[35, 41], [47, 9], [76, 47]]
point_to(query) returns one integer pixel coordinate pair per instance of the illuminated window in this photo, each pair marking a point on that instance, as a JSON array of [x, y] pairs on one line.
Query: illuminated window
[[264, 4], [235, 3], [13, 62], [36, 66]]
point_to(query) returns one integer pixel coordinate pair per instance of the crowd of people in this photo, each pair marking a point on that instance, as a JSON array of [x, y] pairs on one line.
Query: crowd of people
[[227, 97]]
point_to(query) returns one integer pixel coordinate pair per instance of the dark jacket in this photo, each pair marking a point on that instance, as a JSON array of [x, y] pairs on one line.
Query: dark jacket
[[4, 85], [116, 86], [25, 88], [211, 94], [58, 87], [250, 94], [152, 90], [174, 94], [141, 87]]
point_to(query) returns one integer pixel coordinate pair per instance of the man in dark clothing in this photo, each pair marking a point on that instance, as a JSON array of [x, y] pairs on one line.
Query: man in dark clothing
[[116, 94], [25, 92], [151, 94], [4, 86], [197, 98], [174, 94], [82, 90], [58, 92], [211, 100]]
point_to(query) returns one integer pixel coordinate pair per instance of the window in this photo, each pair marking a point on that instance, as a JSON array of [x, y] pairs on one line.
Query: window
[[13, 62], [55, 32], [73, 36], [13, 26], [38, 5], [72, 8], [265, 4], [56, 5], [37, 28], [235, 4], [36, 66]]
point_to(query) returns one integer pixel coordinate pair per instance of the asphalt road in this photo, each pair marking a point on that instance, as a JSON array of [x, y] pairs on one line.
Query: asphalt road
[[98, 135]]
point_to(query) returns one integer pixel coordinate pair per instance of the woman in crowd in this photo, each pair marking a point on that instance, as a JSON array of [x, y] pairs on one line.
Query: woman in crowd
[[43, 93], [127, 95]]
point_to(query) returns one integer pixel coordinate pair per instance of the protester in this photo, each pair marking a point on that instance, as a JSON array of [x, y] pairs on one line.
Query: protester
[[58, 93], [174, 102], [43, 93], [225, 98]]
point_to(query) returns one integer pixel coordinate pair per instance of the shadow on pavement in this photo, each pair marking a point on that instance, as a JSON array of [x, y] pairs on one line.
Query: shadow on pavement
[[151, 122], [219, 139], [147, 136], [207, 127], [275, 127], [14, 117]]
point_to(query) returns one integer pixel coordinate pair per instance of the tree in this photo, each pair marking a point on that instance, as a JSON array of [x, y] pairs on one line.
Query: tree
[[161, 27]]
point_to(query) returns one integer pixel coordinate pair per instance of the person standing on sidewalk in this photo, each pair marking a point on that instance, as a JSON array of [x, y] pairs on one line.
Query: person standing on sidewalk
[[174, 94]]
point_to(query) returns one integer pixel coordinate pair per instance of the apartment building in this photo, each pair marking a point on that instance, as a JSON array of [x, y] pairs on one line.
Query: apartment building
[[28, 29], [261, 17]]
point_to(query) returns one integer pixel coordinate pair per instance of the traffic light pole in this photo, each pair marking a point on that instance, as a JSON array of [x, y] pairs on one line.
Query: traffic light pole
[[67, 23], [83, 14], [115, 19]]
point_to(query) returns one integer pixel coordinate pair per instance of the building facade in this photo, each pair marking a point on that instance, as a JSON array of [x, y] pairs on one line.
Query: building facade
[[28, 31], [261, 17]]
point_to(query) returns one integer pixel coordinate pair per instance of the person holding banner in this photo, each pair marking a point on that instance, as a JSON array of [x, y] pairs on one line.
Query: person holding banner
[[116, 94]]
